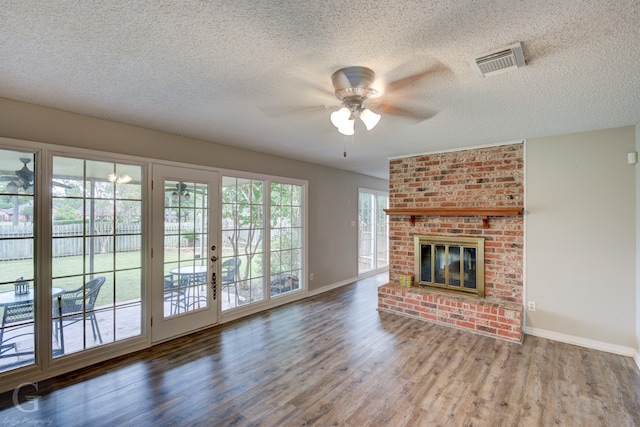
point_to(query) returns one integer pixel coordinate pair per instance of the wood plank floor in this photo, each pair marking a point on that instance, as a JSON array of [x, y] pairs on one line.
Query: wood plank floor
[[334, 360]]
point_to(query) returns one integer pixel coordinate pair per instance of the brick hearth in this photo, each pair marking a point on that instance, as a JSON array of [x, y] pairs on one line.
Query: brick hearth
[[482, 178], [479, 315]]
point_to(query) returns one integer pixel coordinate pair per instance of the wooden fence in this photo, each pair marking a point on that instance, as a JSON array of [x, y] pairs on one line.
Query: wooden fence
[[16, 242]]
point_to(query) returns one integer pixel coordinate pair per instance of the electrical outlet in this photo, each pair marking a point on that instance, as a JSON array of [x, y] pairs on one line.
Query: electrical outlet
[[531, 306], [310, 276]]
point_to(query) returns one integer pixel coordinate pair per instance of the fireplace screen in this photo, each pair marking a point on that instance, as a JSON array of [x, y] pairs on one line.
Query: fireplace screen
[[454, 263]]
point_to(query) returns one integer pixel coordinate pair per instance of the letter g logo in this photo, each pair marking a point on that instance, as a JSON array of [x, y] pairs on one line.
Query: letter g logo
[[31, 404]]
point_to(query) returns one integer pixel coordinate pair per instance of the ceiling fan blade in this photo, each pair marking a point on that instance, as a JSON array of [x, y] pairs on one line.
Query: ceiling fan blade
[[417, 115], [60, 184], [292, 111], [409, 80]]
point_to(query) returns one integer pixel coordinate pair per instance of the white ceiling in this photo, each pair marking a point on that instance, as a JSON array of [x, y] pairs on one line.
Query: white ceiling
[[224, 71]]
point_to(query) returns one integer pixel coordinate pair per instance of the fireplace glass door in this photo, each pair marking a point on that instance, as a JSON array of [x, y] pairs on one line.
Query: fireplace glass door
[[450, 263]]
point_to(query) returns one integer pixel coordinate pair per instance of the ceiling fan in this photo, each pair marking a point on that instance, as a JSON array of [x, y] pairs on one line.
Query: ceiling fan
[[181, 191], [354, 87], [23, 179], [361, 96]]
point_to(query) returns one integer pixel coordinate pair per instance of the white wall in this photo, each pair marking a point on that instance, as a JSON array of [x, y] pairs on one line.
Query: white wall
[[581, 238]]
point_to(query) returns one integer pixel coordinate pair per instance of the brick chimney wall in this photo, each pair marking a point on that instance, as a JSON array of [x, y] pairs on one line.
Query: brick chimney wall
[[480, 178]]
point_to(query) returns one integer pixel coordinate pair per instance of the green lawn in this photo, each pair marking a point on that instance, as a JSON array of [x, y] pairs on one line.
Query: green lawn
[[128, 275]]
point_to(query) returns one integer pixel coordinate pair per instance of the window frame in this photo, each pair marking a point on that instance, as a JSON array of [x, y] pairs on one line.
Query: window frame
[[269, 300]]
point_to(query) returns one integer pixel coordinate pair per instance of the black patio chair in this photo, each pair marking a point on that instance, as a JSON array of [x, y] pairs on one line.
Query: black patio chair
[[18, 315], [79, 304], [174, 292], [230, 269]]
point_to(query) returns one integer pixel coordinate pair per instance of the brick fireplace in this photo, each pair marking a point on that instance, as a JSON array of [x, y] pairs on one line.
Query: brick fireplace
[[455, 194]]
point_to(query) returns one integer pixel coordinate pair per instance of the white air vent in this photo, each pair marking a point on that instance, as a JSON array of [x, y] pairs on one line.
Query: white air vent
[[499, 61]]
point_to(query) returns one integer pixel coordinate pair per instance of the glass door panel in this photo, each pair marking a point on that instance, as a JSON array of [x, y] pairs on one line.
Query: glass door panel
[[185, 264]]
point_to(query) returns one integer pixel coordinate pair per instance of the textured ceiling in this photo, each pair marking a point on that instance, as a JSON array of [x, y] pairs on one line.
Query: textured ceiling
[[232, 72]]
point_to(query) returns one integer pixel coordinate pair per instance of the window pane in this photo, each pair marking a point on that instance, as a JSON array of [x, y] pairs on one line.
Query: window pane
[[17, 286], [285, 255], [242, 279], [454, 266], [97, 252]]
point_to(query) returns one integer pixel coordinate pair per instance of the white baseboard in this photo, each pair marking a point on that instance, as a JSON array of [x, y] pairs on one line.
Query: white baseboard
[[244, 311], [584, 342], [332, 286]]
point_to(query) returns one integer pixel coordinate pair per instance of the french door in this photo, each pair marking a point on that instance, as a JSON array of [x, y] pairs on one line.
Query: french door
[[184, 251], [373, 231]]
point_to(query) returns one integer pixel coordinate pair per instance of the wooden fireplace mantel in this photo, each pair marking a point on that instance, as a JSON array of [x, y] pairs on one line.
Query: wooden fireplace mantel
[[483, 213]]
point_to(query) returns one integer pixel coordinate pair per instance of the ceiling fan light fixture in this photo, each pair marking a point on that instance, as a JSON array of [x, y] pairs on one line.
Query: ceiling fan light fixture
[[347, 128], [369, 118], [339, 118], [124, 179], [12, 187]]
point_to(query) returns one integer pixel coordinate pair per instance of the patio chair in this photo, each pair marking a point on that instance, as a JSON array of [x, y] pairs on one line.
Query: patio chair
[[284, 283], [18, 315], [174, 292], [230, 269], [79, 304]]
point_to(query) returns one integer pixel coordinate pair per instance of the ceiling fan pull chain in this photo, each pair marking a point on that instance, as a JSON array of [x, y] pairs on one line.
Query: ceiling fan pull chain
[[344, 152]]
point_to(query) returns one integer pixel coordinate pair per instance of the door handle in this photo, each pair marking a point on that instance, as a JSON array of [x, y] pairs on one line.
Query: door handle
[[214, 287]]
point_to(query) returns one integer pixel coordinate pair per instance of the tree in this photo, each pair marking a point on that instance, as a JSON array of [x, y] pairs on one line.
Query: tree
[[243, 220]]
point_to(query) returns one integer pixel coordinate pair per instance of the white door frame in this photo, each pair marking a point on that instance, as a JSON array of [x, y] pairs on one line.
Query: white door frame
[[164, 326]]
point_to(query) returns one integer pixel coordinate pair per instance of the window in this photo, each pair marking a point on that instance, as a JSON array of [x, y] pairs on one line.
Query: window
[[18, 285], [286, 238], [96, 250], [94, 253], [373, 231], [242, 275], [259, 262]]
